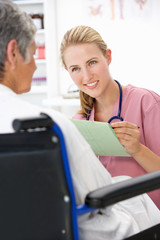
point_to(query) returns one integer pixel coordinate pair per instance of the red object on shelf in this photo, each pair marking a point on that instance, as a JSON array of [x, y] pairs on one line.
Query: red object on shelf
[[41, 52]]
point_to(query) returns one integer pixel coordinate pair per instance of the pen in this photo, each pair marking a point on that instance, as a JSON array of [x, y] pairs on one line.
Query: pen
[[137, 127]]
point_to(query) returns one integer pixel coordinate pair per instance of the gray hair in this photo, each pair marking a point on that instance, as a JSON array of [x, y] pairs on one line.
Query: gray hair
[[14, 24]]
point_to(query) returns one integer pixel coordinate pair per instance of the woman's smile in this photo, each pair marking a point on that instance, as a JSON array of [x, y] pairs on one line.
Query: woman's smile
[[92, 85]]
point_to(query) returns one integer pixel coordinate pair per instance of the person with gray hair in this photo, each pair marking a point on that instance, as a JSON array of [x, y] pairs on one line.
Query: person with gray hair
[[17, 67], [17, 32]]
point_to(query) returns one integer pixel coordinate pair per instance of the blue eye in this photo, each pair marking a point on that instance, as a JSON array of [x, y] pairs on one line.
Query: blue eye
[[92, 62], [75, 69]]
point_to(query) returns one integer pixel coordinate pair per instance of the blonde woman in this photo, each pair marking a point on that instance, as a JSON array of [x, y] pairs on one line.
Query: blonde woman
[[134, 113]]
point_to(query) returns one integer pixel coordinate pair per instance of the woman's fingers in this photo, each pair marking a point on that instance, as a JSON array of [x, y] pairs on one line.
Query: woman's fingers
[[128, 135], [124, 124]]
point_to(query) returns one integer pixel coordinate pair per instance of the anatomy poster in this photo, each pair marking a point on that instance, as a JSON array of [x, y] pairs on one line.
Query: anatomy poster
[[104, 8], [123, 10]]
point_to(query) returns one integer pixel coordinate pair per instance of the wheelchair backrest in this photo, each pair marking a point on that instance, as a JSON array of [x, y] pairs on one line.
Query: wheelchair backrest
[[35, 200]]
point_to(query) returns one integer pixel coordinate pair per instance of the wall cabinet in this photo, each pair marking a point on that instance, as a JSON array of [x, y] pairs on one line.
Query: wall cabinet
[[45, 80]]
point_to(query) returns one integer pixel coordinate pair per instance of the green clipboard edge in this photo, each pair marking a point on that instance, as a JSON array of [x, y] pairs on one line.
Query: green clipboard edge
[[100, 137]]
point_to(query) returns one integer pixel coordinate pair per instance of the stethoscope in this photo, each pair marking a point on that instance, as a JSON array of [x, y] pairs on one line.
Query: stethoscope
[[118, 116]]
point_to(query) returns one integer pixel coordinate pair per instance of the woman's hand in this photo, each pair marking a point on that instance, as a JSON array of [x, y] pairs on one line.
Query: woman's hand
[[128, 134]]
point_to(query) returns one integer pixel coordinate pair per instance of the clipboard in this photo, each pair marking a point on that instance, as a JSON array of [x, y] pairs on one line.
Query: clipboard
[[100, 137]]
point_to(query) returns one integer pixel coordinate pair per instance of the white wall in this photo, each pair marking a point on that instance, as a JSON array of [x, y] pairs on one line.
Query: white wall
[[134, 41]]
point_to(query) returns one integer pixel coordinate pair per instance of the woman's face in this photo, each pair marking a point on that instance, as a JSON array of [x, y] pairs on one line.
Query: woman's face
[[88, 68]]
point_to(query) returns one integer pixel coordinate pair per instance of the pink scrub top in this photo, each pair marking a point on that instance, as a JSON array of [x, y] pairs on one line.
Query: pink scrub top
[[141, 107]]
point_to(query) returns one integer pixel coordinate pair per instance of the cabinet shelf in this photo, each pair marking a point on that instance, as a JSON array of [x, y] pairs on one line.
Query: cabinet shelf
[[47, 38], [40, 31], [30, 2], [38, 89], [40, 61]]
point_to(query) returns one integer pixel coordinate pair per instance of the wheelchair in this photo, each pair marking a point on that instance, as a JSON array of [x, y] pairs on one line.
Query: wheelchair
[[37, 200]]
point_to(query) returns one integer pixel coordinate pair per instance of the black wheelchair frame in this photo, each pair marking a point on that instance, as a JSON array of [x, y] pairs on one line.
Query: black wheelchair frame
[[37, 200]]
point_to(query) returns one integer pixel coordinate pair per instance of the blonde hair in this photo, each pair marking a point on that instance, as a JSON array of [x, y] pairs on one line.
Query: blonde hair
[[79, 35]]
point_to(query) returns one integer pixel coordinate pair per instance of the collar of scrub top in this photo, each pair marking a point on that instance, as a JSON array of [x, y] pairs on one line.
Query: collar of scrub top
[[118, 116]]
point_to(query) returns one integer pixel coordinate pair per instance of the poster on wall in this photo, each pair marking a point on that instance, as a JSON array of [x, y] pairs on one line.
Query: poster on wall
[[115, 10], [104, 9]]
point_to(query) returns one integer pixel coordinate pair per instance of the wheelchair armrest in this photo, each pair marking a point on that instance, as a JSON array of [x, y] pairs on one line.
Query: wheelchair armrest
[[116, 192]]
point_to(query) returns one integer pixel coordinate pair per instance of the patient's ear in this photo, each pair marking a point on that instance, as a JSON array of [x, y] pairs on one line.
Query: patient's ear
[[12, 53]]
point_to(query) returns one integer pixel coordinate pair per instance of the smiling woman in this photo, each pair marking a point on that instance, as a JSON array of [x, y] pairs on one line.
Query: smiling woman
[[87, 59], [90, 64]]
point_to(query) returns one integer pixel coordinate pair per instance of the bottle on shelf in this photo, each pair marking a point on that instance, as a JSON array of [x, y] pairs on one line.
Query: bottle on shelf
[[40, 51]]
